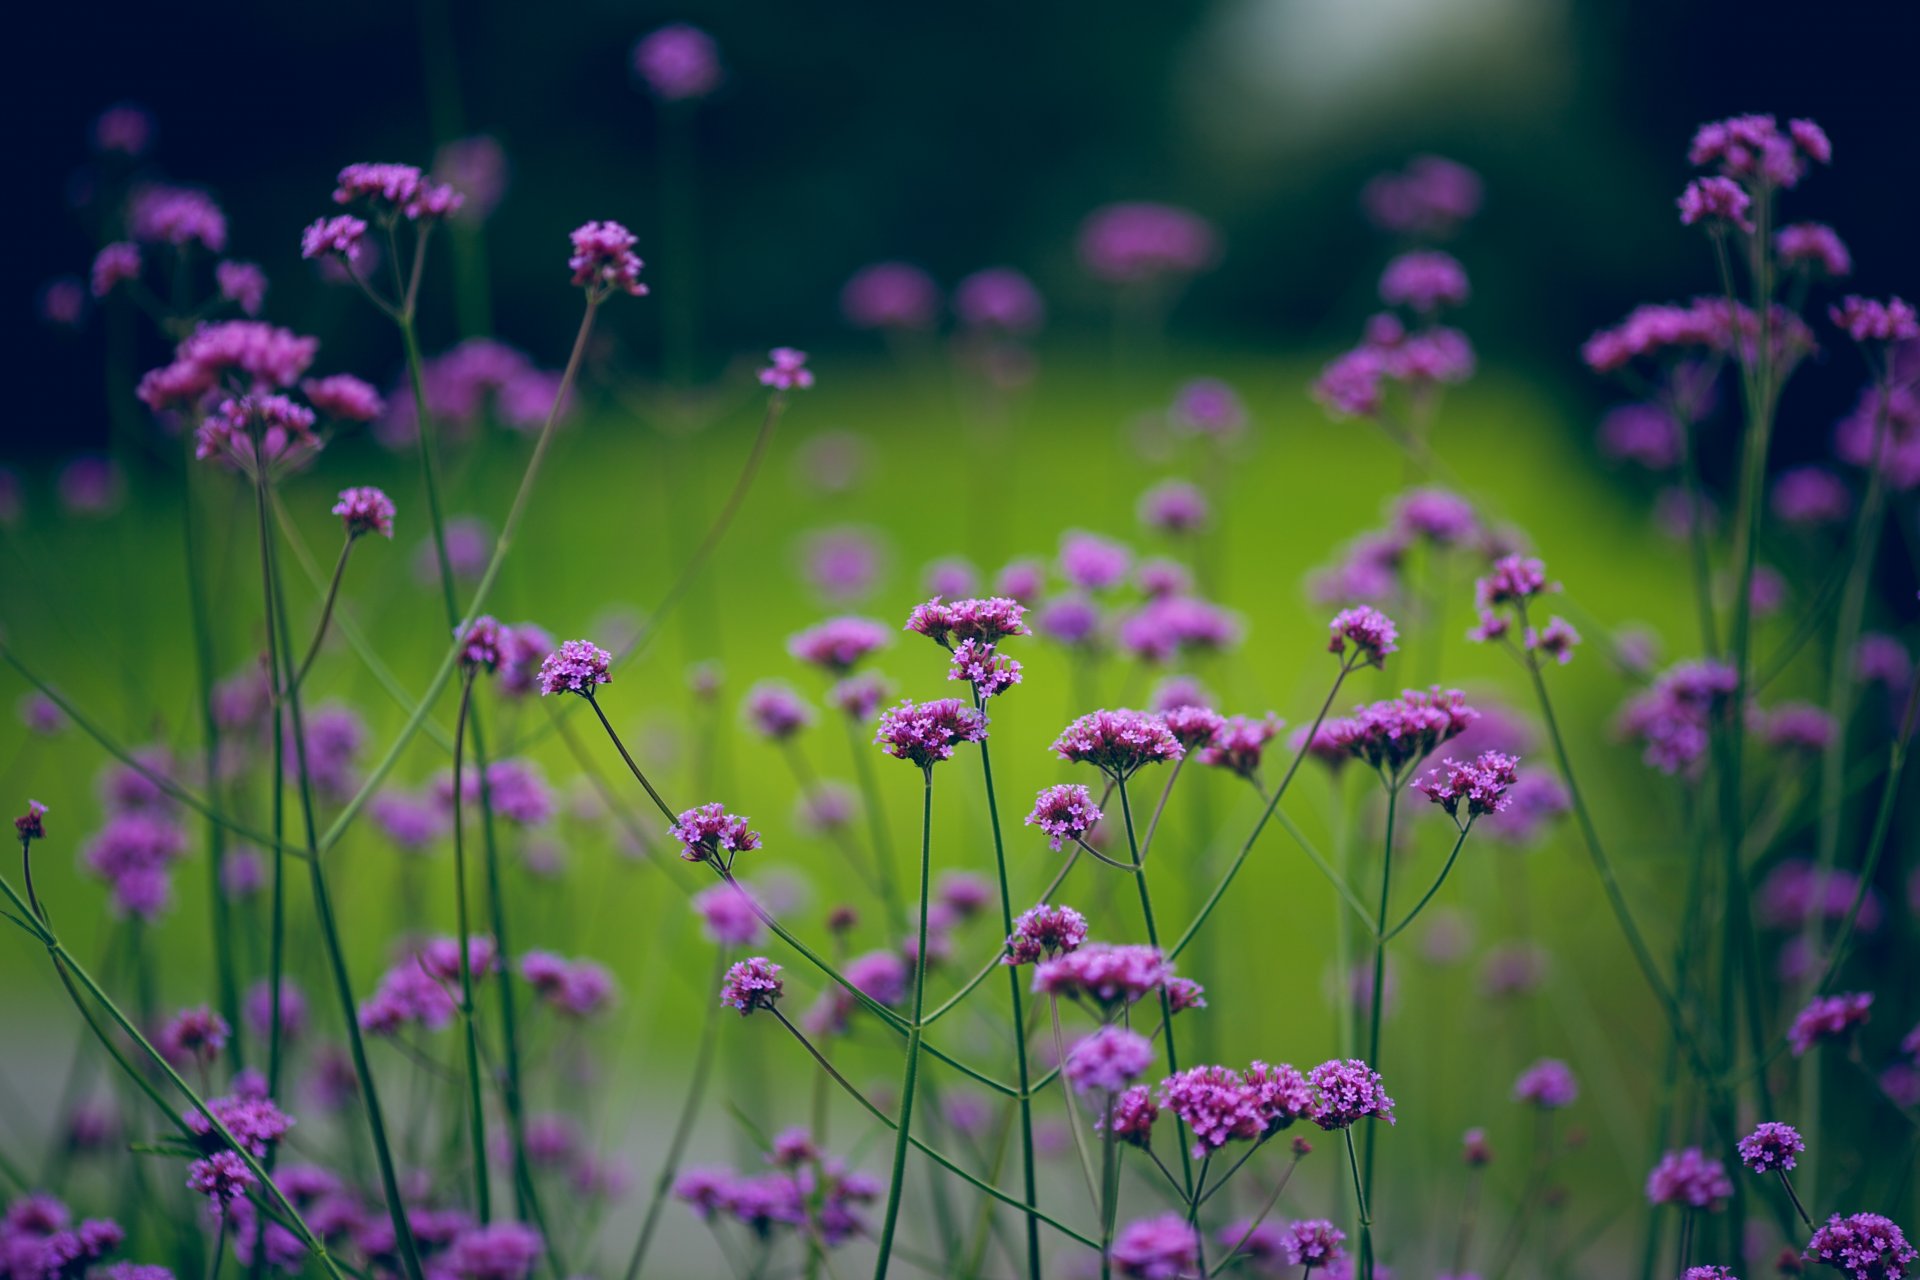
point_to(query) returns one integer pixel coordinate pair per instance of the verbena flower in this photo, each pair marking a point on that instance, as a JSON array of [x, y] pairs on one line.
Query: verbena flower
[[709, 833], [1021, 580], [839, 644], [480, 645], [1239, 742], [1313, 1242], [1811, 497], [342, 235], [1717, 202], [678, 63], [1425, 281], [32, 825], [1771, 1147], [577, 666], [193, 1035], [1108, 1060], [1557, 639], [1281, 1094], [1753, 148], [177, 216], [1674, 718], [1194, 727], [926, 733], [1043, 932], [1132, 1115], [728, 915], [999, 298], [343, 397], [1174, 507], [1157, 1248], [115, 265], [988, 620], [1866, 1246], [1644, 434], [1072, 620], [775, 711], [890, 295], [1813, 247], [1482, 784], [1162, 579], [223, 1178], [1689, 1179], [752, 984], [603, 261], [1118, 743], [1208, 407], [253, 434], [1398, 732], [125, 128], [1370, 632], [1828, 1018], [1216, 1104], [1104, 975], [786, 370], [1172, 626], [1431, 197], [989, 672], [859, 697], [1547, 1084], [1346, 1093], [1870, 320], [1091, 562], [1133, 242], [574, 988]]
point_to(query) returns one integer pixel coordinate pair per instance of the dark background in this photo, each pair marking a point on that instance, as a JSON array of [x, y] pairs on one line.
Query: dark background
[[955, 138]]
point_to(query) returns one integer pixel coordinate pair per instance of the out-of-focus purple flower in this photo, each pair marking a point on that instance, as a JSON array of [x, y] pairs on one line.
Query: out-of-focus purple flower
[[999, 298], [950, 576], [1370, 632], [1043, 932], [1158, 1248], [343, 397], [842, 564], [859, 697], [786, 370], [1871, 320], [1811, 497], [1754, 149], [1166, 628], [114, 265], [1239, 742], [133, 853], [1134, 242], [125, 128], [1208, 407], [710, 834], [497, 1251], [926, 733], [340, 235], [193, 1036], [1715, 201], [243, 284], [1093, 563], [1557, 639], [890, 295], [1673, 719], [1689, 1179], [91, 485], [1070, 619], [728, 916], [1021, 580], [41, 715], [179, 216], [477, 168], [1828, 1018], [1794, 726], [1547, 1084], [1436, 515], [1108, 1060], [365, 510], [575, 988], [838, 644], [1425, 281], [603, 261], [395, 190], [257, 1009], [678, 63], [1882, 659], [775, 711], [1174, 506], [62, 302], [1109, 977], [1813, 247], [1531, 802], [1644, 434], [1432, 196]]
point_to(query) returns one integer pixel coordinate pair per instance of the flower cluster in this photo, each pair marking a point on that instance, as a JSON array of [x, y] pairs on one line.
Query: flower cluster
[[752, 984], [1689, 1179], [1828, 1018], [925, 733], [1771, 1147], [786, 370], [1064, 812], [839, 644], [1370, 632], [1238, 742], [1547, 1084], [574, 988], [1397, 733], [1108, 1060], [603, 260], [1866, 1246], [577, 666], [808, 1192], [710, 834], [1107, 976], [1673, 719], [1118, 743], [1131, 243], [987, 620], [1482, 783], [1043, 932]]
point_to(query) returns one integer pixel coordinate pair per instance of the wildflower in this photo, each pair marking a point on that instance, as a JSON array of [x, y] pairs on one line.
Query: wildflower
[[828, 806], [1131, 1116], [498, 1251], [254, 433], [1108, 1060], [881, 975], [603, 260], [925, 733], [1430, 197], [988, 620], [679, 62], [1044, 932], [1165, 628], [343, 397], [708, 832], [125, 128], [1547, 1084], [1371, 633], [1313, 1243], [113, 266], [1425, 281], [1771, 1147], [1208, 407], [1158, 1248], [257, 1009], [999, 298], [1107, 976], [1673, 718], [1163, 579], [787, 370], [1828, 1018], [365, 510], [342, 234], [775, 711], [990, 673], [1347, 1092], [1443, 518], [890, 295], [1072, 620], [1129, 243], [1644, 434], [1174, 507], [247, 1114], [223, 1178], [1870, 320], [1689, 1179], [1398, 732], [1557, 639], [331, 742], [1811, 497], [193, 1035], [1216, 1103], [1093, 563], [578, 989], [32, 825], [950, 576], [859, 697], [133, 854], [1866, 1246], [1350, 384], [1020, 580], [522, 649], [1794, 726], [1813, 247], [396, 190], [728, 915], [1715, 201], [1280, 1094], [1753, 149], [1238, 743], [178, 216], [1118, 743], [577, 666]]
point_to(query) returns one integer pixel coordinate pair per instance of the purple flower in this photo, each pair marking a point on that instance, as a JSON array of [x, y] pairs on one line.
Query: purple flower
[[728, 915], [1044, 932], [1239, 742], [1753, 149], [1430, 197], [786, 370], [1108, 976], [1072, 620], [1163, 579], [1673, 718], [988, 620], [1547, 1084], [257, 1009], [192, 1035], [1866, 1246], [603, 260], [1173, 506], [1371, 633], [859, 697], [342, 234], [1813, 247], [1217, 1104], [1425, 281], [1689, 1179], [115, 265], [1715, 201], [1811, 497], [577, 988], [1132, 1115], [256, 433], [1021, 580], [1347, 1092], [179, 216], [1482, 783], [577, 666], [1093, 563], [679, 62], [410, 822], [1118, 743], [1828, 1018], [477, 168], [999, 298], [1164, 629], [269, 357], [950, 576], [925, 733], [1312, 1243], [890, 295], [1108, 1060], [250, 1117], [125, 128], [1645, 434], [1158, 1248], [1130, 243], [1771, 1147], [775, 711], [223, 1178], [711, 834], [1281, 1094], [343, 397], [1194, 727], [1441, 517], [1794, 726], [1208, 407], [989, 672], [1870, 320], [498, 1251], [1399, 732], [365, 510]]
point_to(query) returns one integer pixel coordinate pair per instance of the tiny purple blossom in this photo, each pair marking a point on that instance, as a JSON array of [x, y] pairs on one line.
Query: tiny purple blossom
[[1866, 1246], [1118, 743], [1715, 201], [1347, 1092], [679, 62], [1043, 932], [1370, 631], [365, 510], [786, 370], [926, 733], [577, 666], [603, 260], [708, 832], [1828, 1018], [1771, 1147], [1547, 1084], [1689, 1179], [752, 984]]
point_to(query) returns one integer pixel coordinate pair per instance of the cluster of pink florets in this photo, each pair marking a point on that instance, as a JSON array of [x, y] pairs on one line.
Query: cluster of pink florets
[[1479, 785], [603, 260], [1118, 743], [396, 190]]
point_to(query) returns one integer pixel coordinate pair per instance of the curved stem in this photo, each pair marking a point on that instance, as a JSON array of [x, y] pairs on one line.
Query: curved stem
[[999, 958], [632, 765], [904, 1130], [1376, 1006], [476, 1113], [326, 611], [876, 821], [1253, 1224], [1439, 880]]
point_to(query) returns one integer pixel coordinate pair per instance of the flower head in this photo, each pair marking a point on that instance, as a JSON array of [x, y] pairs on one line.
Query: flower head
[[1216, 1104], [1866, 1246], [1870, 320], [926, 733], [838, 644], [999, 298], [1158, 1248], [1208, 407], [988, 620], [1239, 742], [365, 510], [752, 984], [1347, 1092], [1107, 976], [1717, 202], [1432, 196], [1118, 743], [1370, 632], [1425, 281], [342, 234], [1813, 247], [787, 370], [1828, 1018], [775, 711], [1399, 732], [577, 666], [193, 1035], [1547, 1084], [343, 397], [890, 295], [1065, 812], [32, 825], [1689, 1179], [1108, 1060], [709, 833], [1132, 1115], [728, 915], [179, 216], [1043, 932], [603, 260], [1482, 784], [1771, 1147], [113, 266], [1313, 1242], [1093, 563], [679, 62]]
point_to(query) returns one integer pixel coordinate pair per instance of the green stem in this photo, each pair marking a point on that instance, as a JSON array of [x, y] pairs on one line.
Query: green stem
[[1109, 1188], [904, 1130], [1166, 1001], [1376, 1007], [326, 611], [999, 957], [877, 820], [1439, 880], [476, 1111], [1253, 1224], [1876, 845]]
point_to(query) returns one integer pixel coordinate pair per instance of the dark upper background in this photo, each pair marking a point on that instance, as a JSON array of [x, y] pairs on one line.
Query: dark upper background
[[854, 131]]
